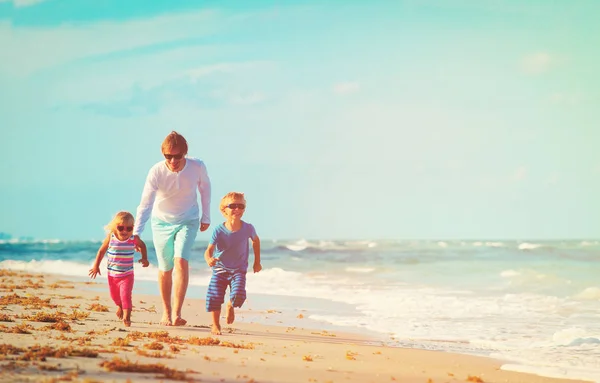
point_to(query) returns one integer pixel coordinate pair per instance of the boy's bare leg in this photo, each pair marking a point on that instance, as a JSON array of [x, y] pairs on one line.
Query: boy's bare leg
[[165, 281], [119, 312], [216, 326], [182, 276], [230, 313], [127, 317]]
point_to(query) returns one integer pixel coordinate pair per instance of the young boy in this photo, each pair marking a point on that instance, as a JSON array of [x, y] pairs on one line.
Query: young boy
[[227, 255]]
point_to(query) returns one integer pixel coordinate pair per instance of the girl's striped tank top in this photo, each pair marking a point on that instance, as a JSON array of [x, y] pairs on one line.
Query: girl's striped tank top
[[120, 256]]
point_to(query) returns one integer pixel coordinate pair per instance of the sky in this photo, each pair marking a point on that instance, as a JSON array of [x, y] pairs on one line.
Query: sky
[[448, 119]]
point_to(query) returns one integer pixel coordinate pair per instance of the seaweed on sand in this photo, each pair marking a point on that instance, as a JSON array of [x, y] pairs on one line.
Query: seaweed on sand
[[121, 365], [29, 302]]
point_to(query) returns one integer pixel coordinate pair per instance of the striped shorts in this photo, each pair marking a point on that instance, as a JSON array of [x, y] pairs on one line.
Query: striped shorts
[[221, 278]]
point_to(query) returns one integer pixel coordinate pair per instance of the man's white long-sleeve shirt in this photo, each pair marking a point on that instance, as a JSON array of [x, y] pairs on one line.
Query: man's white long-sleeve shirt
[[171, 196]]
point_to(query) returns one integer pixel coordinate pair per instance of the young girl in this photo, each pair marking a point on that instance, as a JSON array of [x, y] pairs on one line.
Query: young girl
[[120, 245]]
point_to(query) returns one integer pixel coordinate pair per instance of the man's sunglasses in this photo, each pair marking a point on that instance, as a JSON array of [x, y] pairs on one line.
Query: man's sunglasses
[[240, 206], [175, 156], [122, 228]]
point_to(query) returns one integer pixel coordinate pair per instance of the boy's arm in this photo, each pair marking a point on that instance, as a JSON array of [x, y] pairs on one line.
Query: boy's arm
[[256, 247], [95, 270], [208, 255], [139, 244]]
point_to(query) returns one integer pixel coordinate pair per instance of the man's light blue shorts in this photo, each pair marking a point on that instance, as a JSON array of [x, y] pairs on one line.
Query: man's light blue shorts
[[173, 240]]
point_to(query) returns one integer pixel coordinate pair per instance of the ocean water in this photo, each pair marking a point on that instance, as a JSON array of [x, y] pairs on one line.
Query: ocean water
[[533, 304]]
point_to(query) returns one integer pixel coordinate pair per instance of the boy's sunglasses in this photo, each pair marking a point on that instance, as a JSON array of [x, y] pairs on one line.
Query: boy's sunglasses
[[122, 228], [176, 156], [240, 206]]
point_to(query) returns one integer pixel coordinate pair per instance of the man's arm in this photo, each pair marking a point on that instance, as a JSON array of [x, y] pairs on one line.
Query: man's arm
[[147, 202], [204, 188], [139, 244]]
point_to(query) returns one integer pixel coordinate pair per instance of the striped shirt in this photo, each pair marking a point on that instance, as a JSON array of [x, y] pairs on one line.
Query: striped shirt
[[120, 256]]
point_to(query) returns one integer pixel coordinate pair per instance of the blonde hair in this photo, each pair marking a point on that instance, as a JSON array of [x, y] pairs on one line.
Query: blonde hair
[[122, 216], [231, 196], [174, 141]]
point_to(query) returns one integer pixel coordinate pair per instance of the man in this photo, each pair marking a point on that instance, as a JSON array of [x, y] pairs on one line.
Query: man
[[170, 197]]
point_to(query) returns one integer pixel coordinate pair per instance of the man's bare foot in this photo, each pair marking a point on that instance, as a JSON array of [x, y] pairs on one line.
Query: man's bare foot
[[166, 320], [126, 323], [179, 321], [216, 329], [230, 313], [120, 312]]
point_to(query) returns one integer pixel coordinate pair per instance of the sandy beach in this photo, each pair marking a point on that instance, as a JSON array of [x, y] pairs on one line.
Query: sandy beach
[[55, 330]]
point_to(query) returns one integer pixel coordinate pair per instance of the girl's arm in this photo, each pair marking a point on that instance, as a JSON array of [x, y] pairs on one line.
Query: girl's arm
[[95, 270], [141, 247], [256, 247]]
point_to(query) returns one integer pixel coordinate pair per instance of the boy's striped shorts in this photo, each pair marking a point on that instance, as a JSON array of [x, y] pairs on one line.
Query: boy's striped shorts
[[221, 278]]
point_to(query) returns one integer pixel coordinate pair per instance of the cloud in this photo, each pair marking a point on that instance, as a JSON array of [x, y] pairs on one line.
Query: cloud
[[139, 99], [520, 174], [488, 182], [553, 179], [27, 50], [23, 3], [139, 66], [248, 98], [537, 63], [346, 88], [229, 68], [561, 98], [139, 102]]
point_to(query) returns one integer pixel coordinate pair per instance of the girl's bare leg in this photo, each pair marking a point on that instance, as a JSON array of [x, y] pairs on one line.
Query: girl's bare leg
[[119, 312]]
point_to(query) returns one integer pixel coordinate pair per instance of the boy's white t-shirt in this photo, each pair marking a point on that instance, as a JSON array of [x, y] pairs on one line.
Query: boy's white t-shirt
[[171, 196]]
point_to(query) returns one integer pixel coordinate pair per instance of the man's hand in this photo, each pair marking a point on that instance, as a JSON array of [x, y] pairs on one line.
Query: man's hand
[[204, 226]]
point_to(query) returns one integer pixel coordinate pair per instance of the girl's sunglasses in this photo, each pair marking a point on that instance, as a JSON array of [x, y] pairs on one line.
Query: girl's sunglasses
[[175, 156], [123, 228], [240, 206]]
